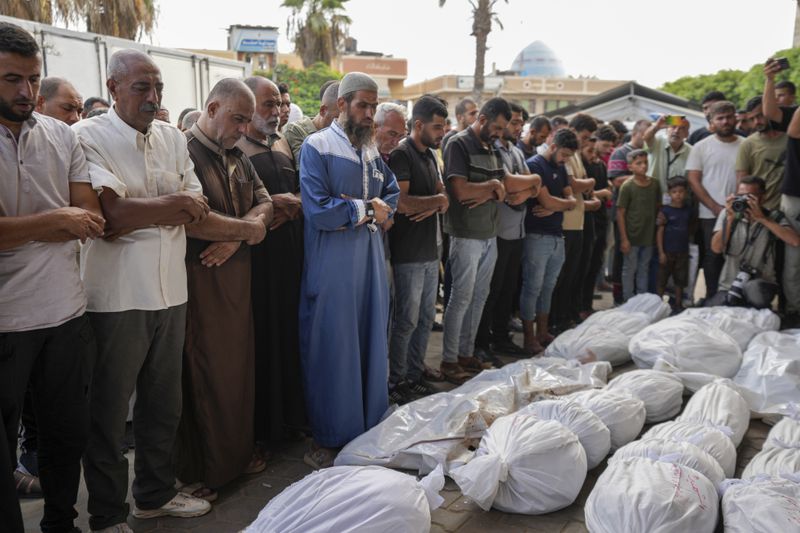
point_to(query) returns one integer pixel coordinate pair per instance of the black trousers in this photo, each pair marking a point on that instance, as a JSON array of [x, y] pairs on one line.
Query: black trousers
[[57, 363], [500, 302], [564, 306], [712, 263], [594, 263]]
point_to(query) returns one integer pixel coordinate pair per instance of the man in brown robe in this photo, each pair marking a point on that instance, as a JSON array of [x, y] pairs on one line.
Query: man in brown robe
[[215, 439], [277, 268]]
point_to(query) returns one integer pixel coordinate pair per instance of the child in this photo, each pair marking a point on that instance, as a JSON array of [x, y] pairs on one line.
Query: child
[[637, 207], [672, 238]]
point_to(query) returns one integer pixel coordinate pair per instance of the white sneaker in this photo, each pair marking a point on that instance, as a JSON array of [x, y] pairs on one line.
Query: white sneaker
[[116, 528], [181, 506]]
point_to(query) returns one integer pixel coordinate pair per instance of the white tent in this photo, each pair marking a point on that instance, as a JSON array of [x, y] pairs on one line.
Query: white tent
[[631, 102]]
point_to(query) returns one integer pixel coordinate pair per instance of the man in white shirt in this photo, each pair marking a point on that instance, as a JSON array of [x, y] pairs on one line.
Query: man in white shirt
[[137, 290], [46, 206], [711, 170]]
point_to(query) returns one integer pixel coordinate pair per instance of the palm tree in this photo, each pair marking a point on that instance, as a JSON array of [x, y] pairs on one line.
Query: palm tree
[[319, 29], [129, 19], [483, 16]]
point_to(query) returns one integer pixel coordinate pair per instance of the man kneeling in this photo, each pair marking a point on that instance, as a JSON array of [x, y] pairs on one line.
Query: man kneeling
[[746, 233]]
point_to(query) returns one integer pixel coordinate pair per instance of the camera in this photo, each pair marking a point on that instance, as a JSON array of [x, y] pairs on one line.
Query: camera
[[735, 294], [739, 203]]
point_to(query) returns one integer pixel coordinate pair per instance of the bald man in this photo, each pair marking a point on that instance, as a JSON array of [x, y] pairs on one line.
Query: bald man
[[135, 280], [277, 270], [215, 438], [59, 99], [296, 132]]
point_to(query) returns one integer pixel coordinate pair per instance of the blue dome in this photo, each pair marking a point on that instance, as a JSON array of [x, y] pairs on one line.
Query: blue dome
[[537, 59]]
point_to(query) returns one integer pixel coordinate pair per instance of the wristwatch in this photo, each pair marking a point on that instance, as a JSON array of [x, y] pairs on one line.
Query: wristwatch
[[370, 209]]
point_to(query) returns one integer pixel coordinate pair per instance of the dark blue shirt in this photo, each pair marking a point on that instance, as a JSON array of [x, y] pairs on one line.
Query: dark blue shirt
[[554, 177], [676, 230]]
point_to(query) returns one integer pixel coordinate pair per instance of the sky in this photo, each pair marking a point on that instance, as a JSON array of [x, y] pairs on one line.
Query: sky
[[643, 40]]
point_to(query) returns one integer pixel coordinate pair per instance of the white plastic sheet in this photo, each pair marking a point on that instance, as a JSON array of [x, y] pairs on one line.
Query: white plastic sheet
[[769, 377], [362, 499], [638, 495], [684, 344], [741, 323], [773, 462], [651, 304], [784, 434], [761, 505], [524, 465], [604, 336], [720, 404], [661, 392], [683, 453], [714, 440], [592, 433], [622, 414]]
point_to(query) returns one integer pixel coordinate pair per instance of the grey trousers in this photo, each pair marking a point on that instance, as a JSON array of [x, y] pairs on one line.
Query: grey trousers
[[139, 350]]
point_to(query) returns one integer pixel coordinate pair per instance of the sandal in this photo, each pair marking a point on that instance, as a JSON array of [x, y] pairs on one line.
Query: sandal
[[473, 364], [28, 486], [256, 465], [433, 374], [197, 490], [319, 458], [453, 373]]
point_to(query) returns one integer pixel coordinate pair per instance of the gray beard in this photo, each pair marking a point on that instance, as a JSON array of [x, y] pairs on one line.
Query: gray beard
[[360, 136]]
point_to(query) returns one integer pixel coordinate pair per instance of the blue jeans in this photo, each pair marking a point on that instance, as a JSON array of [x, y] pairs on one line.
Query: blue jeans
[[471, 265], [542, 259], [414, 310], [636, 264]]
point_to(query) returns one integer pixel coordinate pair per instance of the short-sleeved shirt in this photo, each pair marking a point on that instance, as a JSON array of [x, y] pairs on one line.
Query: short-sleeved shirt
[[717, 161], [554, 177], [664, 162], [414, 242], [676, 228], [750, 244], [467, 157], [511, 218], [791, 176], [764, 157], [145, 270], [618, 162], [40, 284], [641, 208]]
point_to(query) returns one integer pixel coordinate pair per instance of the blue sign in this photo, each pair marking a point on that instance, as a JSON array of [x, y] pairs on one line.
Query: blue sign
[[257, 45]]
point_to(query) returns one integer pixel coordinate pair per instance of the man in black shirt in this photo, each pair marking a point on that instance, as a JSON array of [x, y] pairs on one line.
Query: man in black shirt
[[414, 246], [787, 118], [537, 134]]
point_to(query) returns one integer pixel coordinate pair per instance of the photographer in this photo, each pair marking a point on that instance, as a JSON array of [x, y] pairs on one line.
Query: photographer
[[746, 233]]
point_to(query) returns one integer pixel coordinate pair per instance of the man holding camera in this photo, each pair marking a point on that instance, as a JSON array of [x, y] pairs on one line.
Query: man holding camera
[[746, 233]]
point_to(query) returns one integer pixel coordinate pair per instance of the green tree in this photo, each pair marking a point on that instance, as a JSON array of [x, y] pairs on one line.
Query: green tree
[[738, 86], [483, 16], [303, 84], [129, 19], [318, 29]]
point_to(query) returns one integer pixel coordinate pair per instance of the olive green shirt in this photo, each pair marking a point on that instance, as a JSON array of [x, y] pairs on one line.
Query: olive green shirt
[[296, 132], [641, 204]]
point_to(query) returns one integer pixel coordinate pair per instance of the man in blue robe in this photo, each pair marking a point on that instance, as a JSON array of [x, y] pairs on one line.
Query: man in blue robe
[[347, 191]]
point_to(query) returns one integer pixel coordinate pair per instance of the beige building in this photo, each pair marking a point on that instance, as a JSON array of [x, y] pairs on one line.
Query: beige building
[[536, 94]]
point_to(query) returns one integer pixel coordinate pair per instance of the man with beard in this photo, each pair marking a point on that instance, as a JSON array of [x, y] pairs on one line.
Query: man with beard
[[286, 103], [277, 267], [347, 190], [296, 132], [215, 438], [763, 154], [46, 205], [59, 99], [536, 135], [476, 181], [493, 334], [415, 250], [711, 170], [706, 103], [135, 279]]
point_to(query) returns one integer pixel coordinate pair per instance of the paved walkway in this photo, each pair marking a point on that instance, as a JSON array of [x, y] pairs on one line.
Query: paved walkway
[[240, 503]]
